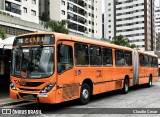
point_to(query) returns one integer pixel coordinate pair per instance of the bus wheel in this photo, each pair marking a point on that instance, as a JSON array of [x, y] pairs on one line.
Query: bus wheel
[[125, 86], [150, 81], [85, 94]]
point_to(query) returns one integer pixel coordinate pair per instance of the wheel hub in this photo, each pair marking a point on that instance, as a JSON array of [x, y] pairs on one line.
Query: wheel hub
[[85, 93]]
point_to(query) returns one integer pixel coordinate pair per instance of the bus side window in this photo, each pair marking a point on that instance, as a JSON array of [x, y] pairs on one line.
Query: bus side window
[[119, 58], [95, 55], [81, 54], [107, 57], [128, 58], [142, 63], [150, 61], [146, 60], [155, 62], [65, 59]]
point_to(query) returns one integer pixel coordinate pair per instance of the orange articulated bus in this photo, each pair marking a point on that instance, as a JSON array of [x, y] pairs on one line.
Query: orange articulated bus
[[54, 68]]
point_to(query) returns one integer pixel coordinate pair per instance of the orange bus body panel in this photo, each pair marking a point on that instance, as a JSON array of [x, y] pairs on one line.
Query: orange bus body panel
[[68, 84]]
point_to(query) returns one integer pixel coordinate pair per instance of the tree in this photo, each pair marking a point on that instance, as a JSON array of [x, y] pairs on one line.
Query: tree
[[45, 17], [58, 26], [122, 41], [2, 34], [158, 42], [132, 46]]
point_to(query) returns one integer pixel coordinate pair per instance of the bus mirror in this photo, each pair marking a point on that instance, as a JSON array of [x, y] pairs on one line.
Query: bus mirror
[[61, 49]]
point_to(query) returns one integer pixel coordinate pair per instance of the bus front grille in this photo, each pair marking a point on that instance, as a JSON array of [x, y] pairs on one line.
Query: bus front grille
[[29, 89], [31, 84], [28, 96]]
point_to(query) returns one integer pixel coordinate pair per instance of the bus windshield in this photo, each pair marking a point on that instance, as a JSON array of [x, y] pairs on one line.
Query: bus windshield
[[36, 62]]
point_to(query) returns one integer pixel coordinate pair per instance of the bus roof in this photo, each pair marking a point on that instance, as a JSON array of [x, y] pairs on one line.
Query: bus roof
[[147, 53], [60, 36]]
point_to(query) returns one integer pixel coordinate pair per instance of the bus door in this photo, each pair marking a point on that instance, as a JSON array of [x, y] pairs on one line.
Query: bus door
[[66, 88]]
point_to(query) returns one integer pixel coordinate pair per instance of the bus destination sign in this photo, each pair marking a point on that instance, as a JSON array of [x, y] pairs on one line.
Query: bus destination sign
[[34, 40]]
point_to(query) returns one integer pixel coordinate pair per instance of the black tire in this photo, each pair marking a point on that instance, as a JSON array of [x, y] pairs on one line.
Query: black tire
[[85, 94], [125, 86], [150, 82]]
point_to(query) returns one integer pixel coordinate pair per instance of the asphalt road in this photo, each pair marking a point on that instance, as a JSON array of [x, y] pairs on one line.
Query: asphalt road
[[140, 100]]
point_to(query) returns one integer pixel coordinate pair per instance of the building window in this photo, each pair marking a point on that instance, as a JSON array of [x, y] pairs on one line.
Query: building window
[[11, 7], [63, 2], [24, 9], [18, 0], [33, 1], [63, 12], [33, 12]]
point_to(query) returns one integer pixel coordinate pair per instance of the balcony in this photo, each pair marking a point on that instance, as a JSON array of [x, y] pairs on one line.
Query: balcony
[[18, 0], [77, 27], [79, 2]]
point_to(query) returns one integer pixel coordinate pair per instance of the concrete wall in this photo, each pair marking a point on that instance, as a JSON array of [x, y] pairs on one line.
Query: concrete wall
[[18, 23], [2, 5]]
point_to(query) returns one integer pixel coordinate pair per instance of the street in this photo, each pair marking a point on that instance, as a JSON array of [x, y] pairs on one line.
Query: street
[[138, 98]]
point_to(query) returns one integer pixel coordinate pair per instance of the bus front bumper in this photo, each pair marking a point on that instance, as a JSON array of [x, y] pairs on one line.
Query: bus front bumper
[[34, 96]]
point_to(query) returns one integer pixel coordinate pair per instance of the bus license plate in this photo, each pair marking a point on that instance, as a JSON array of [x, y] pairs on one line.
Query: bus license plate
[[43, 95]]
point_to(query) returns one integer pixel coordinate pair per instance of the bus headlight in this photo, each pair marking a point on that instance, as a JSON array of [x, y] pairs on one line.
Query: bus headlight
[[13, 87], [48, 88]]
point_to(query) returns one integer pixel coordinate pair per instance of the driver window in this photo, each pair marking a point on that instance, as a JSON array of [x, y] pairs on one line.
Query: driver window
[[65, 58]]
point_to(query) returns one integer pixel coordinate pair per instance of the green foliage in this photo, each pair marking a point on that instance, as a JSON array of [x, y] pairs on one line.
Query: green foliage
[[104, 39], [58, 26], [158, 42], [45, 17], [2, 34], [122, 41], [132, 46]]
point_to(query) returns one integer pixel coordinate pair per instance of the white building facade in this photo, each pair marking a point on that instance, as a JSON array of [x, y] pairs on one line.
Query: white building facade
[[85, 16], [27, 10], [157, 19], [133, 19]]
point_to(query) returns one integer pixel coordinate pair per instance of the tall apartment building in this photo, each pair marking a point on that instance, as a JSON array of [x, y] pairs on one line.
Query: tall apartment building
[[85, 16], [132, 18], [157, 20], [20, 17], [27, 10]]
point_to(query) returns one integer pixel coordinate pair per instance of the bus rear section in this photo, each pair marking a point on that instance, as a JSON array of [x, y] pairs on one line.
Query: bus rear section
[[145, 68]]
